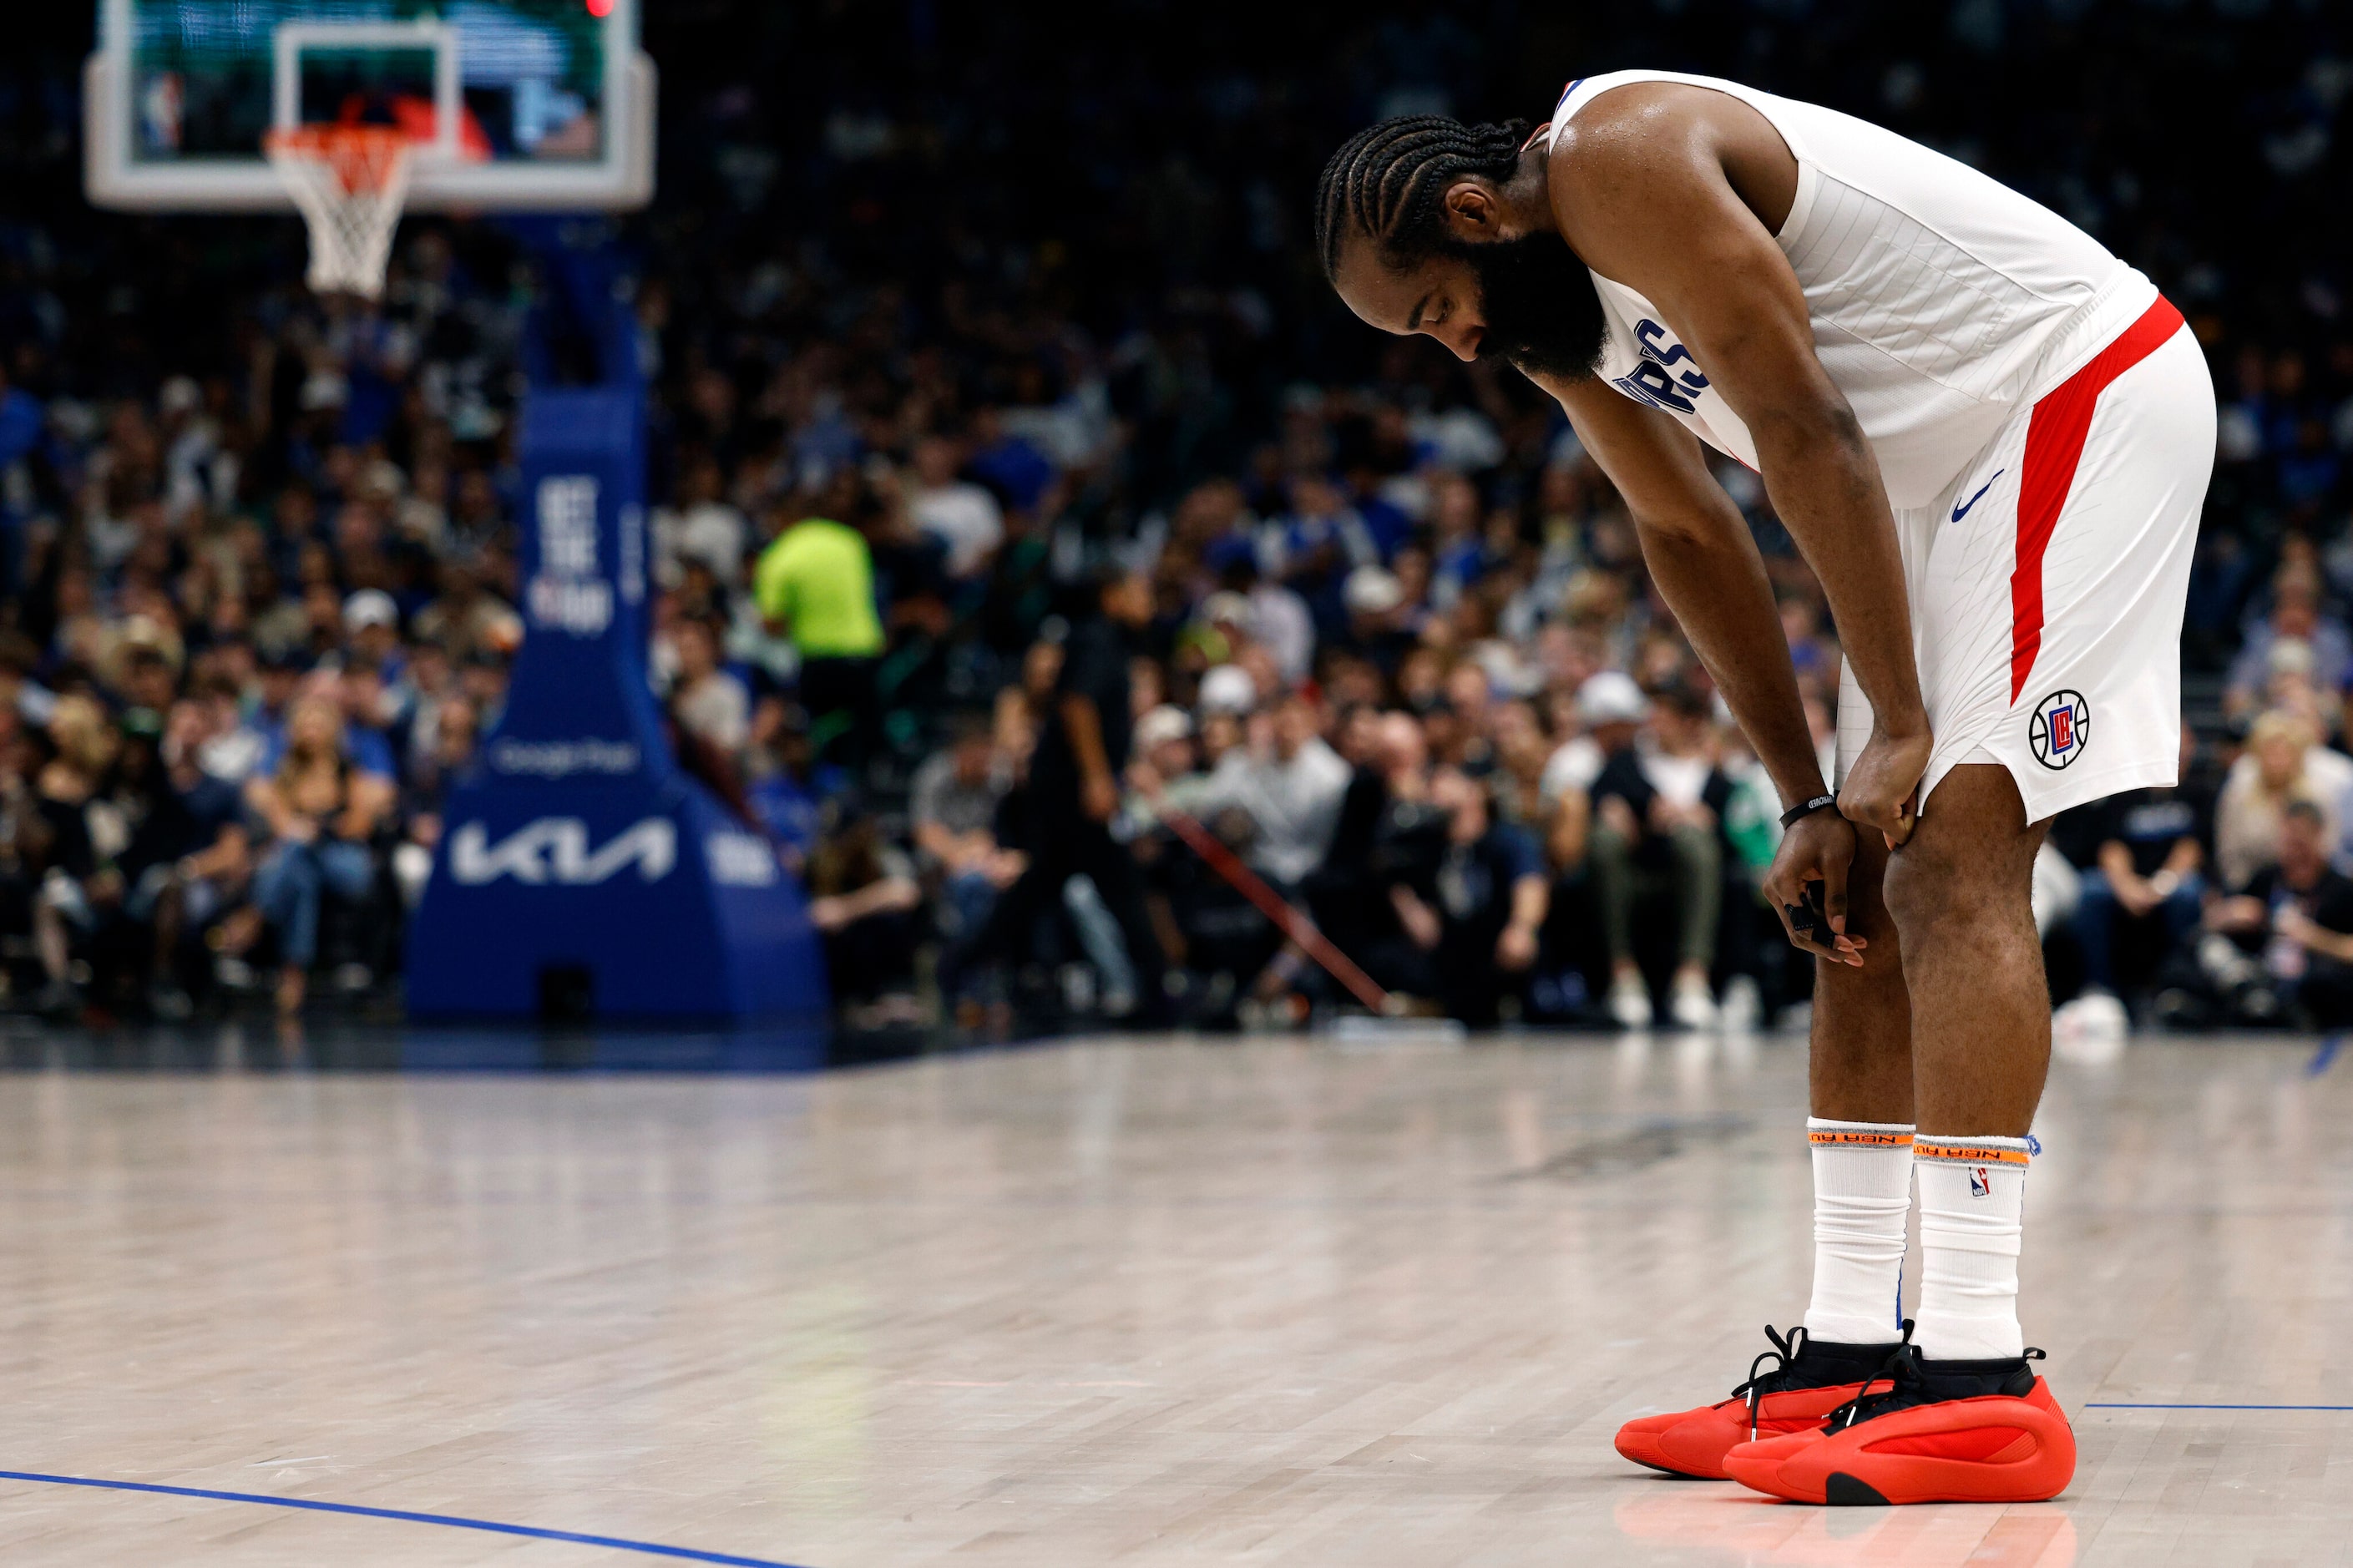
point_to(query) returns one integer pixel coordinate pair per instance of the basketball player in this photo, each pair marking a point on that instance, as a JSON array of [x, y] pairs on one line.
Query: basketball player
[[1991, 439]]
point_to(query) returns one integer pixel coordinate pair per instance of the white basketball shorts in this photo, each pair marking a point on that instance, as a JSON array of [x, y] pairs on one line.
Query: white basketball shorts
[[2047, 584]]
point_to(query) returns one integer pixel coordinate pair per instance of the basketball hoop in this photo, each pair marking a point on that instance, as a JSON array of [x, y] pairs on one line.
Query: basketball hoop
[[349, 182]]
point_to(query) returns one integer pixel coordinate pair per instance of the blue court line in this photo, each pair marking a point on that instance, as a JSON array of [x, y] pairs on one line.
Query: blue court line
[[2324, 1056], [2219, 1407], [615, 1542]]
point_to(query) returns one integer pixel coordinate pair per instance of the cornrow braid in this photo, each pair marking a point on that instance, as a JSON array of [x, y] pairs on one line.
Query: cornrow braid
[[1389, 180]]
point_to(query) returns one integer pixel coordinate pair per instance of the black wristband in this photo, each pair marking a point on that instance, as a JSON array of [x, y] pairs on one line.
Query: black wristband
[[1790, 817]]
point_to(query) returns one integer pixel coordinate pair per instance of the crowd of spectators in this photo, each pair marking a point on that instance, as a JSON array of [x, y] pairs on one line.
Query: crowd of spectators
[[1023, 501]]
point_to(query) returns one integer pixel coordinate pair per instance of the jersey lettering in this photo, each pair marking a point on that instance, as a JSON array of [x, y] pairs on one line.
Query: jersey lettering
[[1675, 353], [1651, 383], [1655, 381]]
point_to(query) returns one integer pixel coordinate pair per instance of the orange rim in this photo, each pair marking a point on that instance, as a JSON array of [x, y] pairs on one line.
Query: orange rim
[[362, 156]]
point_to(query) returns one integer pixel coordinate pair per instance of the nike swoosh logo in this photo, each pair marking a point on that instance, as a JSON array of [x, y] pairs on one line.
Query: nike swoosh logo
[[1962, 510]]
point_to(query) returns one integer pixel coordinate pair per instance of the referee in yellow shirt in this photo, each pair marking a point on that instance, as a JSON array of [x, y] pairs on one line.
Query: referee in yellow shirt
[[815, 585]]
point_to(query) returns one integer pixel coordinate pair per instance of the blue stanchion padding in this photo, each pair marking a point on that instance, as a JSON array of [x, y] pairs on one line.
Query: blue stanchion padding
[[579, 850]]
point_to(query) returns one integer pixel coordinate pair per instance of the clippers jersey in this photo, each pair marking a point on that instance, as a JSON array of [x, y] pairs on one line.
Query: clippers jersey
[[1942, 300]]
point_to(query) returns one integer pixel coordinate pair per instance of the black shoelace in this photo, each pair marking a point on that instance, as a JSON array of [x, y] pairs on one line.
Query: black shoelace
[[1901, 1371], [1784, 1355], [1907, 1385]]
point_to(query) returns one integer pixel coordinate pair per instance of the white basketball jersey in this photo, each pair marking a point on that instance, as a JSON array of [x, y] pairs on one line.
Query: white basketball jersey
[[1941, 300]]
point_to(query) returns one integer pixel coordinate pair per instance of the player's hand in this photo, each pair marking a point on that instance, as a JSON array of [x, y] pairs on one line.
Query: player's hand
[[1099, 796], [1882, 787], [1516, 949], [1818, 848]]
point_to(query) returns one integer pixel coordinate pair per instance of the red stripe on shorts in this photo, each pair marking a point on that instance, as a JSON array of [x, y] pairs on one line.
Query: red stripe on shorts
[[2054, 444]]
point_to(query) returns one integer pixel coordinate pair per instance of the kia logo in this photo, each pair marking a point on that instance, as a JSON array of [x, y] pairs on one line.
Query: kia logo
[[555, 851]]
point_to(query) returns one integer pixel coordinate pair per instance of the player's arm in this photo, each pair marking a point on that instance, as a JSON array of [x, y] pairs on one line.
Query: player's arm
[[1705, 563], [1643, 185]]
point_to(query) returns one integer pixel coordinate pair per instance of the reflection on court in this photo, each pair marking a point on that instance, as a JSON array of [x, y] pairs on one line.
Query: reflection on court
[[1137, 1303]]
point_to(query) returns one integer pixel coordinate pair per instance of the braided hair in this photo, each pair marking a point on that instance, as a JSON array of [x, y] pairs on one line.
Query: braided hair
[[1388, 181]]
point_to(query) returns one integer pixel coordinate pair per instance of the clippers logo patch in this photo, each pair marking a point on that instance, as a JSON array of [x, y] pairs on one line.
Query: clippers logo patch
[[1980, 1182], [2060, 729]]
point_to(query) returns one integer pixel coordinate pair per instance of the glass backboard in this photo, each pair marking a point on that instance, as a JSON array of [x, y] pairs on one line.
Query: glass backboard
[[514, 104]]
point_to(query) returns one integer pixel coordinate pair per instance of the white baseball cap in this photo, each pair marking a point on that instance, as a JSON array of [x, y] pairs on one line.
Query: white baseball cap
[[1166, 723], [370, 607], [1611, 698], [1372, 591], [1228, 689]]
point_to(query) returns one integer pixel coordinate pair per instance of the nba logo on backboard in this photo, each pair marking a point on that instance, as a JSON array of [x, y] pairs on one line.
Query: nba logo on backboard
[[2060, 729], [1980, 1183]]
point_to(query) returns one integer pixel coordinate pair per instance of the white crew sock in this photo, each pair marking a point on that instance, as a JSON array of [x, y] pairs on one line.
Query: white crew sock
[[1972, 1194], [1862, 1191]]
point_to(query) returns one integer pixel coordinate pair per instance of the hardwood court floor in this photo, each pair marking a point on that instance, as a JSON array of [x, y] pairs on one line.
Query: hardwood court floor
[[1269, 1302]]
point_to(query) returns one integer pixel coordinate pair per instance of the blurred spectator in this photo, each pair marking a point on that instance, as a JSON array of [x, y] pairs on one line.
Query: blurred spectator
[[1657, 805], [2145, 886], [2297, 913], [1167, 766], [1270, 615], [155, 825], [863, 896], [74, 844], [701, 529], [1288, 784], [790, 786], [961, 515], [371, 630], [2283, 761], [425, 798], [1291, 783], [466, 618], [320, 812], [1491, 896], [1609, 708], [953, 805], [708, 699], [2296, 637], [1009, 460]]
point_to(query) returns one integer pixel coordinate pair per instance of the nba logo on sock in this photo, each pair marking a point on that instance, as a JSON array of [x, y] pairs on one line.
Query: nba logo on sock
[[1980, 1183], [2059, 727]]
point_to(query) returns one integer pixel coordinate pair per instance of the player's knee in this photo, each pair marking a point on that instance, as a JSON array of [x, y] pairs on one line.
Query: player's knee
[[1928, 886], [1915, 897]]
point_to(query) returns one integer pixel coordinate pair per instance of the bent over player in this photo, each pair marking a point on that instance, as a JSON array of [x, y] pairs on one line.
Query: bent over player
[[1991, 439]]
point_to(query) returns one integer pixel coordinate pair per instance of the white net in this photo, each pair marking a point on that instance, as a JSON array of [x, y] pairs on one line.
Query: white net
[[349, 182]]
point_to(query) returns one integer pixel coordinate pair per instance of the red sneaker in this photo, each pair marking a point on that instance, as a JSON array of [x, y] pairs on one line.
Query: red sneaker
[[1814, 1378], [1940, 1431]]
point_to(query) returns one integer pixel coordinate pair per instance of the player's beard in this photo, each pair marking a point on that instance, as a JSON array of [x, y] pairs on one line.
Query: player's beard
[[1541, 309]]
